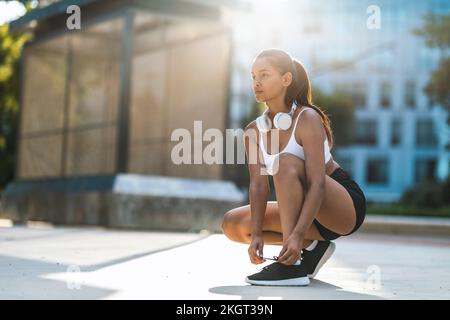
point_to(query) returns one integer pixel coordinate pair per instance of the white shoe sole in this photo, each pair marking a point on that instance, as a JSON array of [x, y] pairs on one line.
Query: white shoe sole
[[328, 253], [302, 281]]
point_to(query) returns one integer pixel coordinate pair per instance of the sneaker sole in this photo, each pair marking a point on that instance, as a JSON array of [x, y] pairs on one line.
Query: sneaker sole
[[302, 281], [328, 253]]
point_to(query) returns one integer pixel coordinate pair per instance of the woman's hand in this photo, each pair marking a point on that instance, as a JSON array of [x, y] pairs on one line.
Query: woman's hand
[[255, 250], [291, 250]]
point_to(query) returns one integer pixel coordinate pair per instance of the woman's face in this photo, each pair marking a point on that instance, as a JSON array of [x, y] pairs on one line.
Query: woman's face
[[268, 83]]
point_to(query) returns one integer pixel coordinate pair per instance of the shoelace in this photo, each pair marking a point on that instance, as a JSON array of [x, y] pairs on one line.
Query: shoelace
[[275, 258]]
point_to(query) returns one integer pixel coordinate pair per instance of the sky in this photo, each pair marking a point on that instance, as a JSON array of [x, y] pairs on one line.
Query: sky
[[10, 10]]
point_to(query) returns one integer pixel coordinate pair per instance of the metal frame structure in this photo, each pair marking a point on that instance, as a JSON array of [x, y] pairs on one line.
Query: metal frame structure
[[50, 23]]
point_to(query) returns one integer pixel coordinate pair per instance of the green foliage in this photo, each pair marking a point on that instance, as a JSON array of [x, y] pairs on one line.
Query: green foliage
[[438, 87], [427, 198], [435, 30], [436, 33], [340, 109], [428, 193], [10, 51], [394, 209]]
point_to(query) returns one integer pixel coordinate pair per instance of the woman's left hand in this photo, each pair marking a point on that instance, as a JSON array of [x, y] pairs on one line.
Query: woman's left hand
[[291, 250]]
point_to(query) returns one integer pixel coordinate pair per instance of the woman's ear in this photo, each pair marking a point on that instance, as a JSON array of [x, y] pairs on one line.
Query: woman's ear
[[287, 79]]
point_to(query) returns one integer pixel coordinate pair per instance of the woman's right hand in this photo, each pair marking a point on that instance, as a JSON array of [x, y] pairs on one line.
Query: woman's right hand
[[255, 250]]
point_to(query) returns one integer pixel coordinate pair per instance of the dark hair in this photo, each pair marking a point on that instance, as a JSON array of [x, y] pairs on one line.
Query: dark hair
[[300, 89]]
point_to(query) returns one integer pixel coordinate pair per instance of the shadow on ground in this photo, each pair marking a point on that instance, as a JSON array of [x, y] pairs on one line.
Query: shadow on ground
[[316, 290]]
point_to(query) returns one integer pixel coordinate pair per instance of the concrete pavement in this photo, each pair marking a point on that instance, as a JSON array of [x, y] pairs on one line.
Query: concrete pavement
[[42, 262]]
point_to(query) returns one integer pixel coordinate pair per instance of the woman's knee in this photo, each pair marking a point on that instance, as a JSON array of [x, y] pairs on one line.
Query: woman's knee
[[232, 222], [290, 167]]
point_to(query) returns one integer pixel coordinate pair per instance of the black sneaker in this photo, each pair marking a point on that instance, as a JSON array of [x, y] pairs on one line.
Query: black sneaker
[[316, 258], [278, 274]]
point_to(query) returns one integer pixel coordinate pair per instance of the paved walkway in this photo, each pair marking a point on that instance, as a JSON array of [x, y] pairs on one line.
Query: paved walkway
[[94, 263]]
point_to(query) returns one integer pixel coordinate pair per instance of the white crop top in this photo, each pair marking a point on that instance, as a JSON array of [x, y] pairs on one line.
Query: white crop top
[[292, 147]]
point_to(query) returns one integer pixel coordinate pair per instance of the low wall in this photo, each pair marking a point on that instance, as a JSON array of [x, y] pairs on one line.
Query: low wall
[[123, 201]]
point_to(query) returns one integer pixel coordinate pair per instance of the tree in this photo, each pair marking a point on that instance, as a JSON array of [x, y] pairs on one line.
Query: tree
[[436, 32], [340, 109], [10, 51]]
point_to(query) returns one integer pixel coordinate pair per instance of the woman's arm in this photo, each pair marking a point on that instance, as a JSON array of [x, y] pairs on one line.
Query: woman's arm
[[313, 135], [258, 205], [259, 184]]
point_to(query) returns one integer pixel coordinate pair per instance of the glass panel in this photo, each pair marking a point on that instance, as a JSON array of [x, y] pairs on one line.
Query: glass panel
[[44, 81], [94, 85], [91, 151], [148, 32], [425, 134], [192, 100], [40, 156], [366, 132], [147, 158], [148, 97], [183, 31], [42, 108], [147, 136], [93, 58], [168, 91], [94, 94]]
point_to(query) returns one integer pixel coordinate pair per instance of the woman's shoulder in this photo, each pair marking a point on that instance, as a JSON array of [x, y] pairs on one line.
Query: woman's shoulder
[[310, 115], [251, 126], [251, 130], [306, 110], [309, 121]]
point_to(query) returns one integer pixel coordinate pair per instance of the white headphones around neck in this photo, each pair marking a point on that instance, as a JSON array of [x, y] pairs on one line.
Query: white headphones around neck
[[282, 120]]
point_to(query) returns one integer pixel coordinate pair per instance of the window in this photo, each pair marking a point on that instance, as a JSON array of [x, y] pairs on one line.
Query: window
[[377, 170], [425, 169], [385, 95], [410, 94], [425, 134], [396, 132], [366, 132]]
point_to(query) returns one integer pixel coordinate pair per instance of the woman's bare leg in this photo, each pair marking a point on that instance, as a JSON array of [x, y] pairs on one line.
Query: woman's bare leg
[[290, 192], [281, 215], [236, 226]]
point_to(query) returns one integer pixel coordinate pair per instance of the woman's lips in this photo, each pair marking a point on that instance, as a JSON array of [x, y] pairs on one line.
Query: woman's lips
[[258, 92]]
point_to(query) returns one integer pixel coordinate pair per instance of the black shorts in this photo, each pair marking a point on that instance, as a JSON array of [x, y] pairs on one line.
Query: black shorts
[[359, 202]]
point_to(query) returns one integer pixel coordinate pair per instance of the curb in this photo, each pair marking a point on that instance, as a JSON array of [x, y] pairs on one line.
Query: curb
[[407, 225]]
